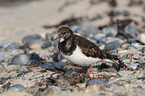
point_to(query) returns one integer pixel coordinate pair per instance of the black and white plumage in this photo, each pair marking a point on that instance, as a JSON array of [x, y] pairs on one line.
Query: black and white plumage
[[80, 50]]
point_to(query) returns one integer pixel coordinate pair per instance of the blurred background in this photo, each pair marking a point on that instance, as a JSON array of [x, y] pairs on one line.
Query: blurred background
[[19, 18]]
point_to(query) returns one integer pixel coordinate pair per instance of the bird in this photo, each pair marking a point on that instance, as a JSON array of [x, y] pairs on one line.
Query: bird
[[80, 50]]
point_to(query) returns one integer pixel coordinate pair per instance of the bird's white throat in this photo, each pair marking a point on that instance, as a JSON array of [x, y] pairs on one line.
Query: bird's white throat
[[61, 40]]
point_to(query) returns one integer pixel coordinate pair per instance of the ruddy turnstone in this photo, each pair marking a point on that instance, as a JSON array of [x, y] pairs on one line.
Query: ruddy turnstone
[[79, 50]]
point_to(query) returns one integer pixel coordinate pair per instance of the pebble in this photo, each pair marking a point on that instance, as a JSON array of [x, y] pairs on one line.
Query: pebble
[[57, 57], [143, 50], [17, 88], [114, 83], [35, 46], [110, 31], [7, 46], [99, 36], [30, 38], [46, 44], [85, 29], [134, 66], [2, 54], [22, 70], [130, 29], [122, 51], [20, 59], [24, 59], [123, 73], [141, 37], [113, 43], [96, 82]]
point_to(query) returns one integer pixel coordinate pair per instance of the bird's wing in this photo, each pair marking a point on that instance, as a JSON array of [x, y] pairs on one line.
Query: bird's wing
[[90, 49]]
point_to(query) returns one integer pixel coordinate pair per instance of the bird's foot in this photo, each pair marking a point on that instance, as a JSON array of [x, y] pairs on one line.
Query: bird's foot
[[90, 67], [72, 66]]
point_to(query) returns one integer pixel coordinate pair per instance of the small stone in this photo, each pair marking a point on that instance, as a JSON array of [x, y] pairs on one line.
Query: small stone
[[57, 57], [22, 70], [7, 46], [20, 59], [114, 83], [2, 54], [17, 88], [141, 37], [99, 36], [96, 82], [110, 31], [123, 73], [113, 43], [24, 59], [103, 94], [134, 66], [122, 51], [143, 50], [85, 29], [31, 38], [35, 46], [130, 29], [46, 44]]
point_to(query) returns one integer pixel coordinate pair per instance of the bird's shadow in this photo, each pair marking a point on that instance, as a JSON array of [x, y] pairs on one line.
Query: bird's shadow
[[59, 66]]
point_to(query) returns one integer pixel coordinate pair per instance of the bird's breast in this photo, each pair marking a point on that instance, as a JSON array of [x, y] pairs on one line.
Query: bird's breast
[[78, 57]]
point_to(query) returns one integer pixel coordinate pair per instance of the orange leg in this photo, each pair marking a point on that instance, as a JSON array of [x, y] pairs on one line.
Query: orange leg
[[69, 66], [90, 67]]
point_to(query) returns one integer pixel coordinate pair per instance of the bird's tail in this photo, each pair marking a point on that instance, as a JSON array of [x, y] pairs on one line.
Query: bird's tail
[[118, 63]]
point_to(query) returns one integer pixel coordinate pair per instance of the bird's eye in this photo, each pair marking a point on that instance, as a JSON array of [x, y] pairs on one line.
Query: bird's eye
[[63, 32]]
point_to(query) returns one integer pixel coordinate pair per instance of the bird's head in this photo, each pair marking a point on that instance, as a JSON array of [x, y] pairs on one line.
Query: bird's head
[[64, 32]]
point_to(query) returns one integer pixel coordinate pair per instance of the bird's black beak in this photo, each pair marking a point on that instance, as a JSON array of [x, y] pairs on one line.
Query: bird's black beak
[[57, 38]]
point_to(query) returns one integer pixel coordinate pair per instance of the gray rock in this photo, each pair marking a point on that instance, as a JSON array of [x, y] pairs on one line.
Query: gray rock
[[114, 83], [36, 44], [99, 36], [2, 56], [40, 42], [20, 59], [130, 29], [57, 57], [31, 38], [85, 28], [22, 70], [96, 82], [110, 31], [134, 66], [103, 94], [113, 43], [141, 37], [143, 50], [17, 88], [122, 73], [46, 44], [24, 59], [7, 46]]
